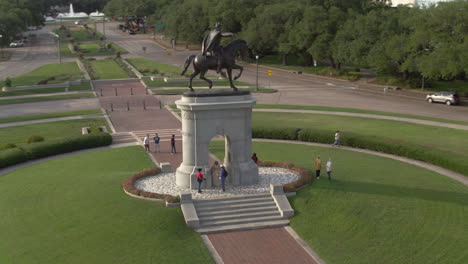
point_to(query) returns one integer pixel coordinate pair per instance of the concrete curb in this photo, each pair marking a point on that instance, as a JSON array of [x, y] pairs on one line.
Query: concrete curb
[[212, 249], [304, 245]]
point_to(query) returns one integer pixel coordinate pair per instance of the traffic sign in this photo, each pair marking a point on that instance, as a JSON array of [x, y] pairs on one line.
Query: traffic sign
[[270, 73]]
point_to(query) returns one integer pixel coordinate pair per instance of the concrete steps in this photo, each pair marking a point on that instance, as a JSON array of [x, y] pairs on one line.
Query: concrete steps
[[238, 213], [123, 137]]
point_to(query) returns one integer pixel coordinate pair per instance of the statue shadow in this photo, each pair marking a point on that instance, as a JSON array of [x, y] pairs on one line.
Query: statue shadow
[[394, 191]]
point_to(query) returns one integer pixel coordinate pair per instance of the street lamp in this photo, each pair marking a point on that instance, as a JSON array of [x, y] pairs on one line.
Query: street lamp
[[58, 38], [256, 59]]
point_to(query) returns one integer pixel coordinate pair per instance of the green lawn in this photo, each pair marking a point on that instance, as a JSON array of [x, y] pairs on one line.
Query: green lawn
[[52, 130], [49, 115], [46, 98], [460, 86], [108, 69], [451, 144], [375, 210], [65, 71], [73, 210], [80, 35], [78, 87], [153, 68], [353, 110]]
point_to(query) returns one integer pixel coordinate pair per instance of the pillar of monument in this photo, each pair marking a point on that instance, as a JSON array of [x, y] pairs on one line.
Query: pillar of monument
[[216, 113]]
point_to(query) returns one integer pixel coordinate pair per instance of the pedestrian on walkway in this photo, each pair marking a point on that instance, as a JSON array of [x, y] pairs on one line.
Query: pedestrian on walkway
[[329, 168], [215, 173], [200, 179], [223, 174], [156, 142], [254, 158], [173, 149], [318, 167], [337, 139], [146, 141]]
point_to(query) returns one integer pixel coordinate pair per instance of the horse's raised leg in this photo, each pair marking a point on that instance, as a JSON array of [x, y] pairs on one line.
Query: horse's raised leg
[[202, 76], [229, 71], [195, 73], [237, 67]]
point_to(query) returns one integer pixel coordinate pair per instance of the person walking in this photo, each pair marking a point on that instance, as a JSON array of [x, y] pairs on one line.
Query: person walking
[[223, 174], [200, 179], [215, 173], [337, 139], [318, 167], [146, 141], [329, 168], [156, 142], [173, 149]]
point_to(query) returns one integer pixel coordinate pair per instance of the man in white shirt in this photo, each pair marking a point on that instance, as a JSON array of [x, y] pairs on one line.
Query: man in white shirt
[[146, 141], [337, 138], [329, 168]]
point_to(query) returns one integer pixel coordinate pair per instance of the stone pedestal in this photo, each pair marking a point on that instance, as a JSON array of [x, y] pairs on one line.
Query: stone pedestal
[[206, 115]]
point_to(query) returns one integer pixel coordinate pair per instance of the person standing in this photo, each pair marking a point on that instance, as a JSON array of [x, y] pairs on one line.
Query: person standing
[[223, 174], [156, 142], [173, 149], [318, 167], [200, 179], [254, 158], [337, 138], [215, 173], [146, 141], [329, 168]]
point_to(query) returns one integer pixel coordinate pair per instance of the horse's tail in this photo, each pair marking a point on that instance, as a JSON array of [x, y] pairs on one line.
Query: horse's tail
[[188, 60]]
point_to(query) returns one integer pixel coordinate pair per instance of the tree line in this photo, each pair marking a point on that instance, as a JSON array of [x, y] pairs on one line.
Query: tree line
[[429, 42]]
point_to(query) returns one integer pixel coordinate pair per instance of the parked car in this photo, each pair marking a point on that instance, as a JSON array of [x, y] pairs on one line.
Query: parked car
[[448, 98], [131, 32], [79, 22], [16, 43]]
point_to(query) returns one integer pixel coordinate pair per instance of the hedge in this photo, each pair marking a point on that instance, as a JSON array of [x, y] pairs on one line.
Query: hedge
[[413, 151], [129, 186], [53, 147]]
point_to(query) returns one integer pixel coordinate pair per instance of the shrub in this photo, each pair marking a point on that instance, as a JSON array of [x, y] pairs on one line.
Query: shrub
[[7, 82], [34, 138], [275, 133], [7, 146], [12, 156], [109, 45], [117, 54]]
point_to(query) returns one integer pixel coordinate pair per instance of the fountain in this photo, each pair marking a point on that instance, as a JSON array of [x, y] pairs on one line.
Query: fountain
[[71, 15], [97, 16]]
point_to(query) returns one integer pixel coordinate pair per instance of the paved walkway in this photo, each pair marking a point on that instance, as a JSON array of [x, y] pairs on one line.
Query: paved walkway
[[48, 120], [394, 118]]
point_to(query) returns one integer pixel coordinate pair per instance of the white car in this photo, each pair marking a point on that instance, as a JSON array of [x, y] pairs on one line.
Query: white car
[[17, 43]]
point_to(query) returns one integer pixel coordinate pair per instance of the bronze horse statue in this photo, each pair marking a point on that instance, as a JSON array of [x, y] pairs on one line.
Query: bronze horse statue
[[201, 63]]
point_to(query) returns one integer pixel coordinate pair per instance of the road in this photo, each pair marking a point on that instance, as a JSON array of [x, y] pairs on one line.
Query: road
[[299, 89]]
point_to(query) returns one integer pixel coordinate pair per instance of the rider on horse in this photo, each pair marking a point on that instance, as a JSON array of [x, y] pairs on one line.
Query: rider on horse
[[211, 44]]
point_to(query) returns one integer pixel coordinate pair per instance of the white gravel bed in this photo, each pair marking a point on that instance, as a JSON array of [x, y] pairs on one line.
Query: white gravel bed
[[165, 183]]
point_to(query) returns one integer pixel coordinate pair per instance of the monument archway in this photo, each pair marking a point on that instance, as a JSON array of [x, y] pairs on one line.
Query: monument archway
[[206, 115]]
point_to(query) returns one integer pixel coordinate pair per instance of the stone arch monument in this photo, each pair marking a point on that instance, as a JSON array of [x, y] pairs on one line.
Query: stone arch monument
[[208, 114]]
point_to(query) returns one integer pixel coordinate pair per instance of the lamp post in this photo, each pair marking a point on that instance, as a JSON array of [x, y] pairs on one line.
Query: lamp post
[[1, 46], [256, 59], [58, 41]]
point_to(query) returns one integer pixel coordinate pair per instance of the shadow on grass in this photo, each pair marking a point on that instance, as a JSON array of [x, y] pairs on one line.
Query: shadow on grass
[[395, 191]]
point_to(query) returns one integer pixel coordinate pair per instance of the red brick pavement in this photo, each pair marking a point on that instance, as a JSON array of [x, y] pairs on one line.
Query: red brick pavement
[[261, 246]]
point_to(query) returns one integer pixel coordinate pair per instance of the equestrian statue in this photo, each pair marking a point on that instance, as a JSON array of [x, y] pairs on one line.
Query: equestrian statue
[[216, 57]]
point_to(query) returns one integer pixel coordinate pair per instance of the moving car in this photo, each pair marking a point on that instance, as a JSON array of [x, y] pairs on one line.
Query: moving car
[[448, 98], [131, 32], [16, 43], [79, 22]]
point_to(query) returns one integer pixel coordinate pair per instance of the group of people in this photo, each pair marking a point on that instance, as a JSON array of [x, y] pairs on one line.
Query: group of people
[[318, 167], [157, 140], [217, 170]]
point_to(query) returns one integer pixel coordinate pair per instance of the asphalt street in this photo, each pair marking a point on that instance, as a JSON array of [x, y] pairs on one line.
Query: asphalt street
[[300, 89]]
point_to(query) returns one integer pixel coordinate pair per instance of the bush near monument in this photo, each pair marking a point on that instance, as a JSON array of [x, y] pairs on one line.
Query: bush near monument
[[34, 138], [14, 156]]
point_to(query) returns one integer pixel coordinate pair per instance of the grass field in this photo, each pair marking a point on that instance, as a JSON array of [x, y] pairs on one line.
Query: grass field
[[49, 115], [78, 87], [73, 210], [375, 210], [452, 144], [354, 110], [46, 98], [108, 69], [52, 130], [65, 71]]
